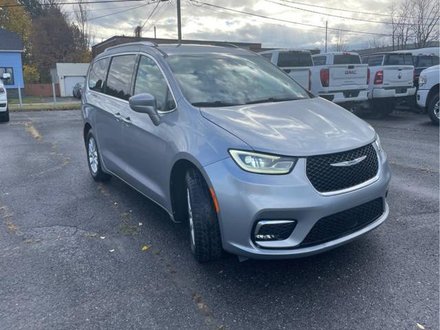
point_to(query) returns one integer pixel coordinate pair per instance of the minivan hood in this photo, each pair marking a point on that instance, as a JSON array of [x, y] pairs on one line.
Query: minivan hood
[[293, 128]]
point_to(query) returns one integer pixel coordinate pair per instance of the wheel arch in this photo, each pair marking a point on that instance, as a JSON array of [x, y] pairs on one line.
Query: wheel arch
[[431, 93], [177, 185]]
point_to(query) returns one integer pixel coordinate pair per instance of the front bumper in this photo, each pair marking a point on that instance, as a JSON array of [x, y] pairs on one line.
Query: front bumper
[[244, 198], [422, 96], [379, 93]]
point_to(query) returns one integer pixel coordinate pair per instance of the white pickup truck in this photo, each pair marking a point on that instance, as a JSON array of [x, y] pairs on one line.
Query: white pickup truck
[[427, 94], [392, 80], [340, 77], [296, 63], [4, 111]]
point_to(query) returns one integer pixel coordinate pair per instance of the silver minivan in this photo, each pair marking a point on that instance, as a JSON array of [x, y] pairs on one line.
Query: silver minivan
[[228, 143]]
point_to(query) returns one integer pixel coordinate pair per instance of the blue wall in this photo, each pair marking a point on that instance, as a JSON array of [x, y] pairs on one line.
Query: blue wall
[[13, 60]]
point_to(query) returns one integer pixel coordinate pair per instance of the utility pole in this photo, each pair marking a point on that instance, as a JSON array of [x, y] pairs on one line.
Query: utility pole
[[326, 28], [179, 23], [155, 32]]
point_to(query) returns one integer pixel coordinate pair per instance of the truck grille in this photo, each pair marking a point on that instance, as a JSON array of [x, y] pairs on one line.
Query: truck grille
[[344, 223], [328, 173]]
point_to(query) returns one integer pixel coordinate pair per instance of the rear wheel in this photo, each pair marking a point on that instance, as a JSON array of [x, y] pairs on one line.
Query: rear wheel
[[94, 160], [204, 230], [433, 109], [4, 116]]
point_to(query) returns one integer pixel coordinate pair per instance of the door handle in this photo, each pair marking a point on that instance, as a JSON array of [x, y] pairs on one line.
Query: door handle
[[126, 120]]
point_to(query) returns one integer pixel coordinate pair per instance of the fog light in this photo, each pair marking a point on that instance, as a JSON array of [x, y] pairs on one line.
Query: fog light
[[273, 230]]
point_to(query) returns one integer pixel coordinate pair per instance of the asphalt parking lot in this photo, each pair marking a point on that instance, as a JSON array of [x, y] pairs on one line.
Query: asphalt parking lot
[[79, 255]]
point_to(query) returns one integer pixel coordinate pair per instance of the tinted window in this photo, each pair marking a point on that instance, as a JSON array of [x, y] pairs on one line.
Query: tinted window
[[267, 55], [215, 80], [398, 59], [347, 59], [424, 61], [149, 79], [119, 76], [319, 60], [97, 75], [374, 60], [294, 59]]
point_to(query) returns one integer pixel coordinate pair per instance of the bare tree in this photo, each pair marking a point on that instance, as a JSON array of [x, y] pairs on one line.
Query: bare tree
[[402, 28], [340, 45], [414, 21], [81, 20], [425, 21]]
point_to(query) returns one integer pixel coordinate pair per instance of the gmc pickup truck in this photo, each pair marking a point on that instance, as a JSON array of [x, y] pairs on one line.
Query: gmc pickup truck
[[296, 63], [392, 80], [340, 77]]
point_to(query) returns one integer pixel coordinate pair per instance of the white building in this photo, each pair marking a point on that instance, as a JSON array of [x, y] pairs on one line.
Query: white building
[[69, 74]]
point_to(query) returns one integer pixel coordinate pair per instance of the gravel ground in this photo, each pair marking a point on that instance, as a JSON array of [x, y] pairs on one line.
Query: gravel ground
[[71, 250]]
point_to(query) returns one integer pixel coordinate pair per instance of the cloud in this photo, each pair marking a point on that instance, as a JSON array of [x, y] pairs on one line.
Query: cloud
[[207, 23]]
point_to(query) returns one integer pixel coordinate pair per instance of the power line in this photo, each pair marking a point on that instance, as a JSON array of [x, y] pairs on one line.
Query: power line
[[73, 3], [158, 15], [344, 10], [119, 12], [339, 16], [151, 14], [287, 21]]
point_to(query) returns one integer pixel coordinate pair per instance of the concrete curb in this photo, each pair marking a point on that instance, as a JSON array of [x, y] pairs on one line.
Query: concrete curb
[[45, 106]]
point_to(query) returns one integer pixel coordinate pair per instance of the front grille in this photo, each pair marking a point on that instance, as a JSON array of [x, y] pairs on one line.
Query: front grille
[[344, 223], [326, 178], [275, 231]]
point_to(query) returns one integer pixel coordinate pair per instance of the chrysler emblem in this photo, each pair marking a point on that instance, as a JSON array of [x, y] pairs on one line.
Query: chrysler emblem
[[349, 162]]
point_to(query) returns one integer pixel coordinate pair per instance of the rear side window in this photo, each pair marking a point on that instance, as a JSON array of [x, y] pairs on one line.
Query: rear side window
[[294, 59], [149, 79], [319, 60], [374, 60], [424, 61], [347, 59], [98, 74], [398, 59], [267, 56], [119, 76]]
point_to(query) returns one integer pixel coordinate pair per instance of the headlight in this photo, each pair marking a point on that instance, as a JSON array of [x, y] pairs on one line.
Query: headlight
[[378, 144], [262, 163], [2, 90], [422, 80]]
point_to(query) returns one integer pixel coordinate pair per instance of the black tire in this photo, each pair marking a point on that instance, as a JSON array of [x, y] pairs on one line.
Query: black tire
[[95, 165], [205, 237], [433, 108], [4, 117]]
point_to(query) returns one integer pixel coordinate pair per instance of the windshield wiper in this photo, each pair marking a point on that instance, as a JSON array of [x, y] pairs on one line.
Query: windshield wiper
[[273, 99], [214, 104]]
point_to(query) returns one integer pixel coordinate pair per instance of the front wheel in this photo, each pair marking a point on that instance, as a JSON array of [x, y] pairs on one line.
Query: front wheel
[[204, 229], [94, 160], [433, 109]]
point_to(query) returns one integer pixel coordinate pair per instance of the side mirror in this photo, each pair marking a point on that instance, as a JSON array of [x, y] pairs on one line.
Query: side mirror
[[145, 103], [6, 76]]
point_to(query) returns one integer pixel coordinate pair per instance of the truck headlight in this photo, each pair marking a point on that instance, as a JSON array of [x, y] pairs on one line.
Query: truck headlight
[[262, 163], [422, 80]]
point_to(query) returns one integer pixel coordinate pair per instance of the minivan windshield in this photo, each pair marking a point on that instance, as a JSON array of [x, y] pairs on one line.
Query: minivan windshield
[[217, 80]]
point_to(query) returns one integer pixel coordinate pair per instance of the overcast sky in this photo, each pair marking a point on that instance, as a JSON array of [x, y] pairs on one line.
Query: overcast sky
[[207, 23]]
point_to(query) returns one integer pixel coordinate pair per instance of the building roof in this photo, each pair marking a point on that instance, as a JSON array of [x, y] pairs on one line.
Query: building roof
[[10, 41]]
